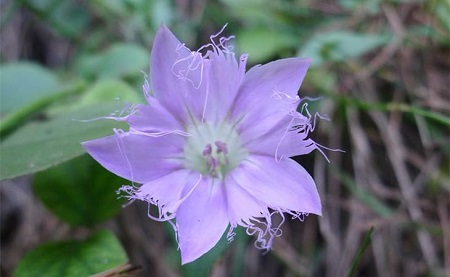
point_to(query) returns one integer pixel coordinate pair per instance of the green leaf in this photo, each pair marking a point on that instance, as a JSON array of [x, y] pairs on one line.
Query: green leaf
[[371, 6], [340, 45], [105, 90], [98, 253], [321, 80], [161, 12], [16, 119], [398, 107], [123, 60], [22, 83], [110, 7], [40, 145], [262, 44], [250, 11], [442, 10], [120, 60], [87, 191], [67, 18], [362, 248]]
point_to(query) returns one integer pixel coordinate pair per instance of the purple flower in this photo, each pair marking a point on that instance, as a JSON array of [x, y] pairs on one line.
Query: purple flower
[[212, 146]]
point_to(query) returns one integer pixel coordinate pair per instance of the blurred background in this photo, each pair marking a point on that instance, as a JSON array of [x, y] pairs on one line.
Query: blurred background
[[380, 67]]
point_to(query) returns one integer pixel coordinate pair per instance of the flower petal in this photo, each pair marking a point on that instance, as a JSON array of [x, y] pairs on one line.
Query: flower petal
[[242, 206], [176, 75], [166, 192], [137, 158], [267, 94], [284, 185], [201, 220], [283, 140], [225, 75], [154, 118]]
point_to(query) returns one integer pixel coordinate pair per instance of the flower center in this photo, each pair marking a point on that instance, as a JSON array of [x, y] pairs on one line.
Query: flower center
[[213, 150]]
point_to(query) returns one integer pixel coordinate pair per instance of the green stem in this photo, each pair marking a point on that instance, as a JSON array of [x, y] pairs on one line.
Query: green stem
[[400, 107], [13, 120], [361, 250]]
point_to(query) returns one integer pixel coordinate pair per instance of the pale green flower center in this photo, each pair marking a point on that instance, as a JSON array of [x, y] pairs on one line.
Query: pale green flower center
[[213, 150]]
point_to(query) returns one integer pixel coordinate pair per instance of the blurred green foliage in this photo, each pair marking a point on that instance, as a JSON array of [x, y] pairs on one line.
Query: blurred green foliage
[[28, 82], [81, 194], [99, 252]]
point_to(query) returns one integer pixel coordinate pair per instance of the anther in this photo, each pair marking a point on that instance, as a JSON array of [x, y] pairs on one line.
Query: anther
[[221, 147], [207, 150]]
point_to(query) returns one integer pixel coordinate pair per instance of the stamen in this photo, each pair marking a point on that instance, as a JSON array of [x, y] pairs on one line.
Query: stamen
[[213, 163], [213, 150], [208, 150], [221, 147]]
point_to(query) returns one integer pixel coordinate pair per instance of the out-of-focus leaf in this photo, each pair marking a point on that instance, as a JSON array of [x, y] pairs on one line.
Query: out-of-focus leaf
[[40, 145], [393, 106], [239, 243], [71, 16], [123, 60], [371, 6], [16, 119], [120, 60], [22, 83], [250, 11], [340, 45], [67, 18], [238, 3], [98, 253], [161, 12], [105, 90], [116, 7], [79, 192], [262, 44], [442, 10], [321, 80]]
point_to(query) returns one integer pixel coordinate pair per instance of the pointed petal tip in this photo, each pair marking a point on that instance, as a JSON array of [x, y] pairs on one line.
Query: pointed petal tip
[[86, 145], [316, 207], [199, 230], [186, 259], [319, 212], [305, 60], [163, 27], [190, 253]]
